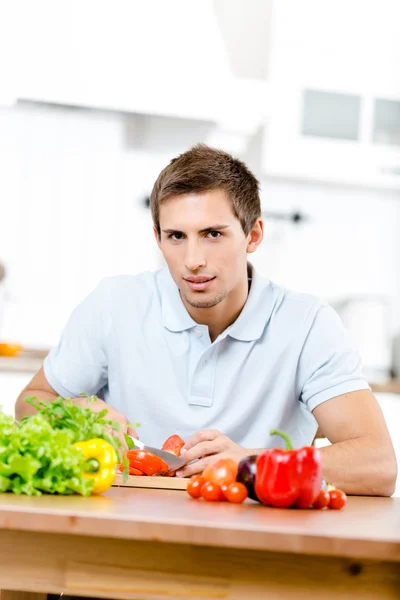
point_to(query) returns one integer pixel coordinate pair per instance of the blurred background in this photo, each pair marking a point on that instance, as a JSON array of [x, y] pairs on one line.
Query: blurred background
[[97, 96]]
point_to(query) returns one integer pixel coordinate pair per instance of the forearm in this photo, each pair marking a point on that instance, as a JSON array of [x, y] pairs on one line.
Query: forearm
[[23, 409], [360, 466]]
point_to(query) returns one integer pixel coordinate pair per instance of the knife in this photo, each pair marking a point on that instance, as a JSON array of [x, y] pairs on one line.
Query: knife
[[174, 462]]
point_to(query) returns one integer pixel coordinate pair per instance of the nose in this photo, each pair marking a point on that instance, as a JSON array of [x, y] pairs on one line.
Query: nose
[[195, 256]]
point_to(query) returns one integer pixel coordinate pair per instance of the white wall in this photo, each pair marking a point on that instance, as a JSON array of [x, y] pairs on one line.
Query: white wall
[[71, 212], [347, 246]]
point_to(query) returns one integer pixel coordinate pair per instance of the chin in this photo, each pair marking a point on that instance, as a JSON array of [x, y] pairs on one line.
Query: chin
[[204, 300]]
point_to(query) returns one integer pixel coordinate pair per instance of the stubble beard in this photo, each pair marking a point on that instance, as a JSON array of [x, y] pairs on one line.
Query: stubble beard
[[206, 303]]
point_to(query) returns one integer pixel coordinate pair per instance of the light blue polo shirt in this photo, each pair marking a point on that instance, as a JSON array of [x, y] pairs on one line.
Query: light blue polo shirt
[[132, 342]]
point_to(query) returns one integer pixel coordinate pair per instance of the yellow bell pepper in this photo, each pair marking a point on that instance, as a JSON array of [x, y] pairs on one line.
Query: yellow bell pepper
[[101, 460]]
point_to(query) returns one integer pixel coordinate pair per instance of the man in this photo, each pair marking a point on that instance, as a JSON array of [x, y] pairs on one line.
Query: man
[[214, 352]]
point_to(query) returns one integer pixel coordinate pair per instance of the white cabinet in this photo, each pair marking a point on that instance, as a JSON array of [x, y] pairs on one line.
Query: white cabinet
[[335, 105], [333, 136]]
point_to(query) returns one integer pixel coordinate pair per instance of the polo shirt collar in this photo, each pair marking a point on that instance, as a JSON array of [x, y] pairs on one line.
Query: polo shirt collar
[[249, 325], [175, 317]]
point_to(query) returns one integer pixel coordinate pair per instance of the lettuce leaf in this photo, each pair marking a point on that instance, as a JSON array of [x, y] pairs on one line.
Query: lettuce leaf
[[37, 454], [36, 458]]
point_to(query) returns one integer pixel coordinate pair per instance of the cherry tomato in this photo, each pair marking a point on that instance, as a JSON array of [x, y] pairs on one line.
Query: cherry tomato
[[322, 501], [173, 444], [194, 486], [147, 462], [222, 471], [211, 491], [236, 492], [224, 489], [337, 499]]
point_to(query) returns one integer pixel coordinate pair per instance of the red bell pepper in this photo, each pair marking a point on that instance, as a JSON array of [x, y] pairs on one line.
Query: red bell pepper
[[288, 477]]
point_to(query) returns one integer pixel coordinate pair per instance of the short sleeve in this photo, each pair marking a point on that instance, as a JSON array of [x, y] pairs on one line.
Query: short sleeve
[[79, 363], [329, 364]]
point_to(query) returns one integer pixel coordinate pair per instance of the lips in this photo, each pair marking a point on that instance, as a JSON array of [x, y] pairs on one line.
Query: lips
[[198, 279], [199, 283]]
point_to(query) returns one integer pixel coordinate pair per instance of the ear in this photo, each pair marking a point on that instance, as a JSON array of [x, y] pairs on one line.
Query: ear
[[157, 237], [255, 236]]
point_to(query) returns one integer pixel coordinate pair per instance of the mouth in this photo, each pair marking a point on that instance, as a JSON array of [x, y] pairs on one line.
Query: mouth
[[199, 283]]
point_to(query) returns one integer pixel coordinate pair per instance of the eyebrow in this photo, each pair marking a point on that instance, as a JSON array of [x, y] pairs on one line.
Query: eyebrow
[[206, 230]]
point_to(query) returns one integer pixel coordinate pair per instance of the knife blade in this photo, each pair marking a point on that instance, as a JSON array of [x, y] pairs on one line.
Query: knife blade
[[174, 462]]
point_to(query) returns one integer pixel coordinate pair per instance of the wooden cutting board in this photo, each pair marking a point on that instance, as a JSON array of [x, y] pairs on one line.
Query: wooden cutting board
[[162, 483]]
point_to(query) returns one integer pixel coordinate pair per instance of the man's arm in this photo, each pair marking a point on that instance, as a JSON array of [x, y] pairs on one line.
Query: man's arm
[[40, 388], [361, 459]]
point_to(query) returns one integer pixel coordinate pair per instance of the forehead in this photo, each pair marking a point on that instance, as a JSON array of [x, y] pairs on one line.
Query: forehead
[[201, 209]]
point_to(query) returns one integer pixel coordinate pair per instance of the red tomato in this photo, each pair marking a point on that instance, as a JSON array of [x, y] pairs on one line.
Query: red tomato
[[194, 486], [322, 501], [222, 471], [148, 463], [337, 499], [236, 492], [211, 491], [173, 444]]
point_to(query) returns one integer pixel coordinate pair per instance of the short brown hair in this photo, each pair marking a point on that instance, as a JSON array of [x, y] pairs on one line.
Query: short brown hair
[[202, 169]]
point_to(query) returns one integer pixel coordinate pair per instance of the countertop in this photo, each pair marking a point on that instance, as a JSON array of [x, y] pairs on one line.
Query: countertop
[[367, 528], [28, 361], [157, 544]]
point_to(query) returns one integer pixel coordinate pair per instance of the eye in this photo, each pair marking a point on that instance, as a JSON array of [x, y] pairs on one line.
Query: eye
[[214, 235], [178, 235]]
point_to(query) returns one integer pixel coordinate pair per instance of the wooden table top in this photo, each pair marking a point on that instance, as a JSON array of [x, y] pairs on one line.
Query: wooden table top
[[367, 528]]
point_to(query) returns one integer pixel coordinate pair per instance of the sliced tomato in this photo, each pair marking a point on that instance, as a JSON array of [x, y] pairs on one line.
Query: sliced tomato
[[147, 462], [173, 444], [132, 471]]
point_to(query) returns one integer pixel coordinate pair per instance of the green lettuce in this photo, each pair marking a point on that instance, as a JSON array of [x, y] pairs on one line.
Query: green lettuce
[[36, 458], [37, 454]]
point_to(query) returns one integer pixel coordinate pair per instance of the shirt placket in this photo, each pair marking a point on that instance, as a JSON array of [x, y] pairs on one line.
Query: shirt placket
[[203, 378]]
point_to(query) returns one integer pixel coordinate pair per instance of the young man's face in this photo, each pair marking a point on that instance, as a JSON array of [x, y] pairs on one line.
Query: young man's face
[[205, 246]]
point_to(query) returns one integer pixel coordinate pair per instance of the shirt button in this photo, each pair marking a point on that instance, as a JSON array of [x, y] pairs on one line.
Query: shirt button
[[205, 363], [198, 332]]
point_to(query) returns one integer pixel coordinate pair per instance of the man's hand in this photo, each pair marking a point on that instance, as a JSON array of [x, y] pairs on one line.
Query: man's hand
[[112, 414], [206, 446]]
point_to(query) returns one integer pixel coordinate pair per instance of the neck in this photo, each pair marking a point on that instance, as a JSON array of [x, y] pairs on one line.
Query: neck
[[223, 314]]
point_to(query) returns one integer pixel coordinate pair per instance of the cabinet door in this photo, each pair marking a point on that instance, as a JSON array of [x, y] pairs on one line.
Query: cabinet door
[[386, 122], [331, 115]]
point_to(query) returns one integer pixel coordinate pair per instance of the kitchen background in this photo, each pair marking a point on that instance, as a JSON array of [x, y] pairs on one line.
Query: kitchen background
[[96, 98]]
